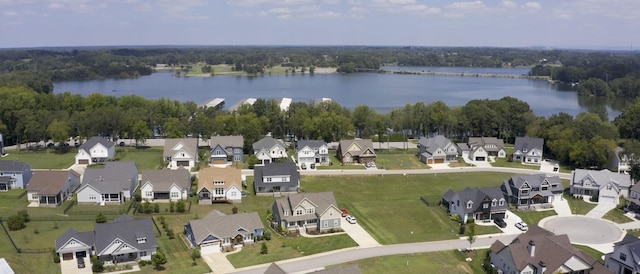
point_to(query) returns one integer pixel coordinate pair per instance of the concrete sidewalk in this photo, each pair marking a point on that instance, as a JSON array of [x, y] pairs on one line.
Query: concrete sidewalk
[[562, 207], [600, 210]]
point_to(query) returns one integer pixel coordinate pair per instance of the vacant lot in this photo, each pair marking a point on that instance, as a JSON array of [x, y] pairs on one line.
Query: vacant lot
[[399, 159], [144, 157], [44, 158]]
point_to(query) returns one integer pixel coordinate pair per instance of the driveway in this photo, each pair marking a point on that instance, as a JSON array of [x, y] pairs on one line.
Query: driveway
[[601, 209], [71, 266], [547, 166], [358, 234], [218, 262]]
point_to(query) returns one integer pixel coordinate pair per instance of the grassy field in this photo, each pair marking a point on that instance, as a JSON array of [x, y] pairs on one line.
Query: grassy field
[[334, 163], [591, 252], [399, 159], [145, 157], [44, 158], [196, 70], [382, 202], [451, 261], [534, 217], [616, 215], [578, 206]]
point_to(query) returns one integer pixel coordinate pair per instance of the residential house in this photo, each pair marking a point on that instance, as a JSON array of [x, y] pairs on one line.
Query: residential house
[[633, 200], [181, 152], [268, 150], [527, 190], [52, 187], [356, 151], [528, 150], [625, 257], [14, 174], [476, 203], [217, 231], [437, 150], [483, 148], [165, 185], [540, 251], [312, 152], [620, 161], [607, 186], [115, 183], [123, 240], [219, 185], [309, 210], [226, 150], [96, 150], [276, 178]]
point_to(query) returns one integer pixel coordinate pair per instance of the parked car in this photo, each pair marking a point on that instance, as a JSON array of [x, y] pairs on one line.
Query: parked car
[[81, 262], [344, 212], [370, 164], [500, 222], [351, 219], [522, 226], [312, 166], [122, 144]]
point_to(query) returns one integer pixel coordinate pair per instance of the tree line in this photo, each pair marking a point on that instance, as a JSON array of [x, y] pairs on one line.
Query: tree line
[[586, 140]]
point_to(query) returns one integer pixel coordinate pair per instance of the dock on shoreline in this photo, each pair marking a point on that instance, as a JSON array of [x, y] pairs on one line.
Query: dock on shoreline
[[462, 74]]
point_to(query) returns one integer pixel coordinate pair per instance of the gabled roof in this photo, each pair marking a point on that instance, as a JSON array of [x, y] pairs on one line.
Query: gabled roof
[[128, 230], [274, 269], [12, 166], [363, 144], [96, 140], [488, 143], [347, 269], [276, 169], [163, 179], [50, 182], [432, 144], [313, 144], [189, 145], [528, 143], [114, 177], [602, 177], [229, 175], [226, 141], [534, 180], [267, 143], [86, 237], [553, 250], [225, 226], [322, 201], [477, 195]]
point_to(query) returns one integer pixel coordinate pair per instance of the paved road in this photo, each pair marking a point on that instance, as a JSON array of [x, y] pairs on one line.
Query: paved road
[[428, 171], [353, 254]]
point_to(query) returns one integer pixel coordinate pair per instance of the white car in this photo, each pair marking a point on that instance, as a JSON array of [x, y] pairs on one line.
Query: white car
[[351, 219], [522, 226]]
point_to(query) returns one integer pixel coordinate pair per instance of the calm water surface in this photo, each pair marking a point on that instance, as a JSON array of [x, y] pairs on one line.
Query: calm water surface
[[380, 91]]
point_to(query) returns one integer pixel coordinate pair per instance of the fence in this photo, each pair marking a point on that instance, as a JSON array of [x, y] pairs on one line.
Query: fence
[[430, 200], [69, 206], [11, 196], [9, 236]]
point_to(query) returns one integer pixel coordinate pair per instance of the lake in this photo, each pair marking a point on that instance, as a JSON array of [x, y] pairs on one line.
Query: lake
[[380, 91]]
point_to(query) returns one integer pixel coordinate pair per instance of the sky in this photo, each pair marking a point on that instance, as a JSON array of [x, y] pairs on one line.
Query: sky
[[581, 24]]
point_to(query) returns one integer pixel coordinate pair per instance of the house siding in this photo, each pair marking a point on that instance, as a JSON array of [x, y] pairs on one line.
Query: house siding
[[84, 193]]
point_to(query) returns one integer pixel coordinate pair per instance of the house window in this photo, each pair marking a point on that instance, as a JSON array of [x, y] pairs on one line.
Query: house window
[[292, 223], [493, 202], [268, 179], [325, 224], [485, 205], [92, 196], [218, 182], [175, 195], [219, 191], [148, 193], [310, 210], [218, 152], [501, 202], [609, 187], [286, 213], [299, 212], [143, 253], [469, 204], [524, 191], [623, 256], [335, 222], [142, 240], [545, 188]]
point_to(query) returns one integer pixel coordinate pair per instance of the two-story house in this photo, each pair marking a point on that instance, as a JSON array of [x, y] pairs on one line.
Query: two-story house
[[217, 231], [114, 183], [527, 190], [268, 150], [181, 153], [437, 150], [165, 185], [226, 150], [483, 148], [310, 211], [625, 257], [528, 150], [95, 150], [219, 185], [356, 151], [476, 203], [633, 200], [276, 178], [620, 160], [607, 186], [312, 152], [14, 174]]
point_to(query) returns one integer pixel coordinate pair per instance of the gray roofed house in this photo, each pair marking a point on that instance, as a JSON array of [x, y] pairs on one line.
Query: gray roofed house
[[217, 231], [437, 150], [122, 240], [625, 257], [181, 152], [52, 187], [309, 210], [540, 251], [483, 148], [165, 185], [604, 184], [14, 174], [634, 198], [476, 203], [356, 151], [276, 177], [268, 149], [274, 269], [527, 190], [312, 152], [95, 150], [528, 150], [226, 149], [114, 183]]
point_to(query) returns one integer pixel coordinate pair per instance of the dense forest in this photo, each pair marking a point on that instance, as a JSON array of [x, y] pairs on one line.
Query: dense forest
[[612, 74]]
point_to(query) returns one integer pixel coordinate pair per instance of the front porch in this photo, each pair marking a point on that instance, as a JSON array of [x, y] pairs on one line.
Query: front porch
[[116, 259]]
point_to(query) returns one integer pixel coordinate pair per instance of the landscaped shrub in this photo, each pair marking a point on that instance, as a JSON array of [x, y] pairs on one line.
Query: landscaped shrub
[[156, 208], [267, 235], [24, 214], [100, 219], [264, 249], [96, 265], [180, 206], [195, 254], [234, 210], [15, 222], [56, 257], [158, 260], [172, 207], [170, 234]]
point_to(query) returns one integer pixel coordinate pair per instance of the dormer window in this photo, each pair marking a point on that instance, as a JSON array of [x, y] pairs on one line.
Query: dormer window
[[501, 202], [299, 212], [524, 150], [494, 202], [142, 240], [469, 204], [286, 213]]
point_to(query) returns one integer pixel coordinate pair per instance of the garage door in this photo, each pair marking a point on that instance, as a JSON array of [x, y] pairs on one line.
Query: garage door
[[607, 200], [83, 162], [219, 162], [67, 256], [439, 161], [429, 161], [481, 159], [182, 163], [207, 249]]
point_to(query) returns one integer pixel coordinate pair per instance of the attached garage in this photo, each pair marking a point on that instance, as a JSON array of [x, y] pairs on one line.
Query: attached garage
[[481, 158], [210, 248], [607, 200], [83, 162], [67, 256], [218, 162], [429, 161], [439, 161], [182, 163]]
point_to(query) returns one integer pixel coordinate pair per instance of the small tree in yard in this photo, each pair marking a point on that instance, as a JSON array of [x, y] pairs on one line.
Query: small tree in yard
[[156, 208], [158, 260], [471, 233], [24, 214], [100, 219], [180, 206], [96, 265], [264, 249], [15, 222]]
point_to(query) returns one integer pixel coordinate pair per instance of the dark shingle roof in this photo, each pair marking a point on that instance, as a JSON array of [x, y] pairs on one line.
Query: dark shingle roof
[[275, 169], [164, 178], [313, 144], [86, 237], [96, 140], [114, 177], [267, 143], [126, 229], [432, 144], [12, 166], [477, 195], [528, 143], [602, 177], [225, 226]]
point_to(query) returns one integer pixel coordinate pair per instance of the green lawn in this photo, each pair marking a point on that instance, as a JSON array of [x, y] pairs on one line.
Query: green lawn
[[399, 159], [534, 217], [145, 157], [178, 257], [44, 158], [503, 162], [616, 215], [382, 202], [591, 252], [634, 232], [334, 163], [196, 70], [450, 261], [578, 206]]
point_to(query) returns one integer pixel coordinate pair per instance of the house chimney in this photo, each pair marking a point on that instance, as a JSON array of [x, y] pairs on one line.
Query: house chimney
[[532, 248], [543, 267]]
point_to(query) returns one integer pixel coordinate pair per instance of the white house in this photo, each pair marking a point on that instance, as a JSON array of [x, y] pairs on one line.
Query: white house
[[115, 183], [528, 150], [95, 150], [219, 185], [181, 152], [165, 185], [604, 184], [313, 152], [268, 149]]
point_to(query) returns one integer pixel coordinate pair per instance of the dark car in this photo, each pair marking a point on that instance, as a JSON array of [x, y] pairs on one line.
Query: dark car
[[500, 222], [81, 262], [122, 144]]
